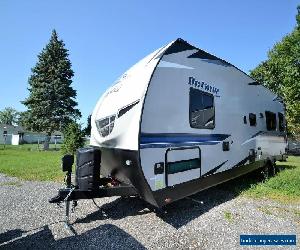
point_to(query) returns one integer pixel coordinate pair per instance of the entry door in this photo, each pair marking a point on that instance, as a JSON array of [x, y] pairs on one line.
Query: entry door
[[182, 165]]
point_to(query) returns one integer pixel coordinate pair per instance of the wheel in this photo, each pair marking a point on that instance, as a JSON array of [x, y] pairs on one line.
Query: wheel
[[268, 170], [264, 173], [272, 169]]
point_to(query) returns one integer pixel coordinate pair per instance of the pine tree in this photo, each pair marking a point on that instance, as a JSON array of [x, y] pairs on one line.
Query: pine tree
[[281, 73], [51, 103], [87, 129]]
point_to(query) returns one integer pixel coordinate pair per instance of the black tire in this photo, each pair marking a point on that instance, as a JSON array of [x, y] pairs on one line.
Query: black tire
[[272, 169], [268, 170], [264, 172]]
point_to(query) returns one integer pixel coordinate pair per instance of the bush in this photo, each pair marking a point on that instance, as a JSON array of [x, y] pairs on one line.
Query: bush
[[73, 138]]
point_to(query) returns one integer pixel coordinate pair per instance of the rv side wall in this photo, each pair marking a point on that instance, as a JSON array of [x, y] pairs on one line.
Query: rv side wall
[[166, 118]]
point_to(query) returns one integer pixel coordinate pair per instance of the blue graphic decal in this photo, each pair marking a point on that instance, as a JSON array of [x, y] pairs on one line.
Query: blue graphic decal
[[163, 140]]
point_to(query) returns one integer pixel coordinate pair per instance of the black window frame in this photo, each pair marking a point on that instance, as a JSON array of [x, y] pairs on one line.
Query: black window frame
[[271, 115], [252, 117], [190, 112]]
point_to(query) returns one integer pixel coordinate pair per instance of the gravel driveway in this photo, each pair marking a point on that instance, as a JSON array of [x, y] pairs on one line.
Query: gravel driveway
[[212, 219]]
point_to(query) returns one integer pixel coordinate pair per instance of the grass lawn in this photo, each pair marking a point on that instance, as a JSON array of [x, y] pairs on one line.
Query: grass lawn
[[284, 187], [27, 163]]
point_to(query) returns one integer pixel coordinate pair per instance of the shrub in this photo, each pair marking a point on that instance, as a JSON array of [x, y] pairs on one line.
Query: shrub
[[73, 138]]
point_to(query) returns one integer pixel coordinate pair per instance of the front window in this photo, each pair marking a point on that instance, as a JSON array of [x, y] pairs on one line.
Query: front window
[[202, 111], [105, 125]]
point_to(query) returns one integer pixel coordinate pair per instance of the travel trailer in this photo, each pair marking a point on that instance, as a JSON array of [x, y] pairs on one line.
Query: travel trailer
[[179, 121]]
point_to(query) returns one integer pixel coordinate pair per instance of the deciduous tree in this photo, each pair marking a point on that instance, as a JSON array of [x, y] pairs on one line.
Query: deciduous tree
[[9, 116], [281, 74]]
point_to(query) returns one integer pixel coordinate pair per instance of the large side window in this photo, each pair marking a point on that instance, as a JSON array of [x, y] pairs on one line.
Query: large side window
[[270, 120], [202, 111], [280, 122]]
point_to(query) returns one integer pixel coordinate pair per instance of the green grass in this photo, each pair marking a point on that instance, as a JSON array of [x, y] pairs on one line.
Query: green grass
[[11, 183], [28, 164], [265, 210], [296, 212], [284, 187], [228, 216]]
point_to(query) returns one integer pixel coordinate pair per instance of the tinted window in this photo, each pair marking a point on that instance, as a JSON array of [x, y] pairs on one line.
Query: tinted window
[[208, 101], [270, 120], [252, 119], [202, 113], [105, 125], [280, 122]]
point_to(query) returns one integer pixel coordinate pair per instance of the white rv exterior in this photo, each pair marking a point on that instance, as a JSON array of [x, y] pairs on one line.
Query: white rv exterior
[[182, 120]]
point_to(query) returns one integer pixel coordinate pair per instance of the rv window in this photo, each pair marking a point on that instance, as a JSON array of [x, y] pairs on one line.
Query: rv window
[[202, 112], [252, 119], [105, 125], [270, 120], [280, 122]]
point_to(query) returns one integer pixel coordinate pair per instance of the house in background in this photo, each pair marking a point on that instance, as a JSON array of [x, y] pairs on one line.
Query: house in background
[[15, 135], [8, 134]]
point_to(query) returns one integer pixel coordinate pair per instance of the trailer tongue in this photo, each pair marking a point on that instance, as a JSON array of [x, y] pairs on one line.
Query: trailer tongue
[[88, 182]]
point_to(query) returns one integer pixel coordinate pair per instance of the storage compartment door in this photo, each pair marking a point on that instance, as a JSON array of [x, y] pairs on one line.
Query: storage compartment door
[[182, 165]]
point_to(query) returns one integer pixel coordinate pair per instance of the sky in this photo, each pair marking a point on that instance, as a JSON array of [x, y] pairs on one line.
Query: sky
[[105, 38]]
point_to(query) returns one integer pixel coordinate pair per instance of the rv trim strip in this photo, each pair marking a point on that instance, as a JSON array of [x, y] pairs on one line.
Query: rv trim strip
[[163, 140]]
